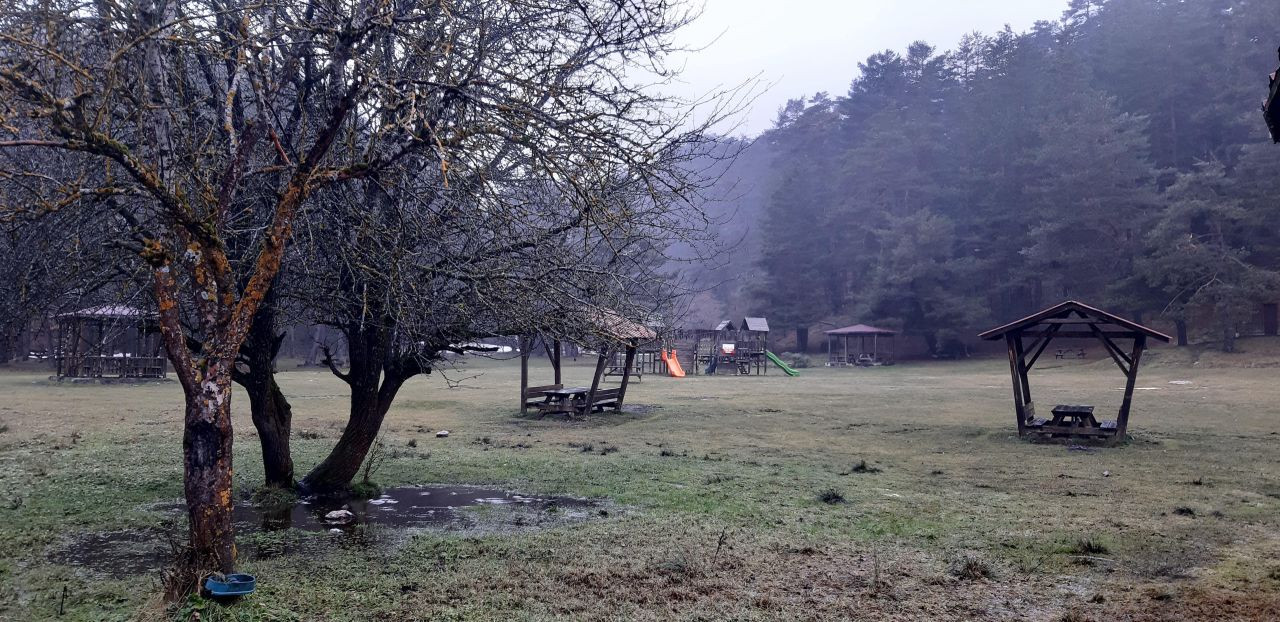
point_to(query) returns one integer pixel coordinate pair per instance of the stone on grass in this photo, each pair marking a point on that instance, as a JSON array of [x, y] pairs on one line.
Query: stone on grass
[[442, 434], [339, 516]]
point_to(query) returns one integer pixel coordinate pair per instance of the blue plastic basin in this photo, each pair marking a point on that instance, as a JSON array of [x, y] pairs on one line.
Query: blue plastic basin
[[236, 584]]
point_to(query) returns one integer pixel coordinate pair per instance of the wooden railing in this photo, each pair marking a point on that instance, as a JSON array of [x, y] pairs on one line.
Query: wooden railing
[[112, 367]]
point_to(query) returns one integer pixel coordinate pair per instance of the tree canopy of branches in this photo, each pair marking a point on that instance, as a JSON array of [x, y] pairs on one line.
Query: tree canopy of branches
[[211, 131]]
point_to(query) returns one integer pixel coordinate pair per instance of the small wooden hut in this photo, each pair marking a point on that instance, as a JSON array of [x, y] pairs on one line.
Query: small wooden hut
[[1072, 319], [753, 336], [109, 341], [842, 356], [604, 331]]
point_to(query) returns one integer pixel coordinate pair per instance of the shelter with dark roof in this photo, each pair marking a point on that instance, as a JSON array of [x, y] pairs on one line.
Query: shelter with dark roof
[[1028, 338], [603, 330], [843, 356], [109, 342]]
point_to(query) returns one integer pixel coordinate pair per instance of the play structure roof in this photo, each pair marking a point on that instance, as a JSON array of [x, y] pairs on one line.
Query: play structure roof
[[725, 325], [1085, 315], [756, 324], [861, 329]]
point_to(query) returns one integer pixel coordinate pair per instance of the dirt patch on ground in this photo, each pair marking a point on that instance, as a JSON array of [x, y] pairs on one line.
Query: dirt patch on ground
[[1171, 603]]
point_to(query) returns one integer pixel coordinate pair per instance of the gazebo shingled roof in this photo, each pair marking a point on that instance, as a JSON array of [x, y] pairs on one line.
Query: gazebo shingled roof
[[861, 329], [1060, 312]]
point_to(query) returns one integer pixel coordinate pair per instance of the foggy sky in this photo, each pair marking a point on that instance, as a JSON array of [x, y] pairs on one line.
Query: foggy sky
[[801, 47]]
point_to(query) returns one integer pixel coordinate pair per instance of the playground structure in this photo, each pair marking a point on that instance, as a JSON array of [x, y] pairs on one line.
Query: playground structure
[[109, 342], [861, 356], [729, 348], [739, 349], [1072, 320]]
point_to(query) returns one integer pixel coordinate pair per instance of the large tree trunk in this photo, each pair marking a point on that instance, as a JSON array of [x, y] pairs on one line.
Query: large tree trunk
[[206, 446], [931, 342], [802, 339], [272, 415], [6, 345], [340, 467], [375, 378], [1181, 326]]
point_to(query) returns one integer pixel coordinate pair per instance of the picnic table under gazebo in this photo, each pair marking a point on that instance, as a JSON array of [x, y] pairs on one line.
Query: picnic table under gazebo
[[606, 331], [840, 355], [1028, 338]]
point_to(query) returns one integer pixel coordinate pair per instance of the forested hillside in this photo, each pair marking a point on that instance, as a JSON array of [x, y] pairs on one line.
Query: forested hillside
[[1116, 155]]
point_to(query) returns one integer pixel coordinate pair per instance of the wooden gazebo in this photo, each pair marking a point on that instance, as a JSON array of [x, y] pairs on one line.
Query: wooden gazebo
[[109, 341], [1072, 319], [604, 330], [842, 356]]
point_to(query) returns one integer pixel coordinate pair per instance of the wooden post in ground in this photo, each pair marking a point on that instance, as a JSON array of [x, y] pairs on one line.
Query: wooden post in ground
[[595, 380], [1015, 366], [626, 372], [524, 374], [556, 351], [1122, 419], [1022, 372]]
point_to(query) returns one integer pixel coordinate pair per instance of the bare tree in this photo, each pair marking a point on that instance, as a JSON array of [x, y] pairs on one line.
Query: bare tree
[[208, 127]]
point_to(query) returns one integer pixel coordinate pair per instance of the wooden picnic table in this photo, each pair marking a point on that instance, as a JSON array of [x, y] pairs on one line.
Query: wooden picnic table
[[564, 400], [1074, 415]]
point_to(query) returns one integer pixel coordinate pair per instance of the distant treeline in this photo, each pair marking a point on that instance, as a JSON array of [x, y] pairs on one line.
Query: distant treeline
[[1116, 156]]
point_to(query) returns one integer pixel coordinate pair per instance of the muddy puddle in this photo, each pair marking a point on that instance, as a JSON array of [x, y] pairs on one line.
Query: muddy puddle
[[325, 523]]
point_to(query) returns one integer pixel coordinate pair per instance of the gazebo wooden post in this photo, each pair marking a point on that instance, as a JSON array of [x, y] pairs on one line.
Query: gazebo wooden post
[[626, 372], [555, 362], [1024, 372], [846, 349], [595, 380], [1014, 341], [524, 374], [1122, 418]]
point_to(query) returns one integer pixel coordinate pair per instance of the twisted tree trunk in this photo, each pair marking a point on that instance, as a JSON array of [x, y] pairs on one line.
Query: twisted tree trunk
[[270, 410], [375, 377]]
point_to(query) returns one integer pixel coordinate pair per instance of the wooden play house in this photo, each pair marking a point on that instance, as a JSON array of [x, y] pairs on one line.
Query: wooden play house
[[1028, 338], [873, 346], [739, 349], [606, 332], [109, 342]]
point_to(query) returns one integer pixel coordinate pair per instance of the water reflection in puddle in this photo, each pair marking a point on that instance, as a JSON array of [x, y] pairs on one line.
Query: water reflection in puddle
[[406, 507], [131, 552]]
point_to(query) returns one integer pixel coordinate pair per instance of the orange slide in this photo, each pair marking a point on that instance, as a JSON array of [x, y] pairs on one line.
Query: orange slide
[[673, 364]]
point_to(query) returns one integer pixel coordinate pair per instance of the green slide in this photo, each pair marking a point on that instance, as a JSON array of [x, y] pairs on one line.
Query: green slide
[[777, 361]]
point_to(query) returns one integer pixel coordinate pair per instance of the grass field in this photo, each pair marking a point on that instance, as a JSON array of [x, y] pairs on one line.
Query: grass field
[[892, 493]]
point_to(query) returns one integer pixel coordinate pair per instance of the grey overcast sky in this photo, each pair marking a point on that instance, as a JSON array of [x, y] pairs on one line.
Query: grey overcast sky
[[802, 47]]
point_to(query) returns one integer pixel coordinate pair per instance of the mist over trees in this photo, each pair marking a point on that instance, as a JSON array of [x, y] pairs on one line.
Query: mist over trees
[[1115, 155]]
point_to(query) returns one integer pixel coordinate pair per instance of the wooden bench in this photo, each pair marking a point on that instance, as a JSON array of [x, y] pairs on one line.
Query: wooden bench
[[1070, 353], [536, 397], [607, 398]]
